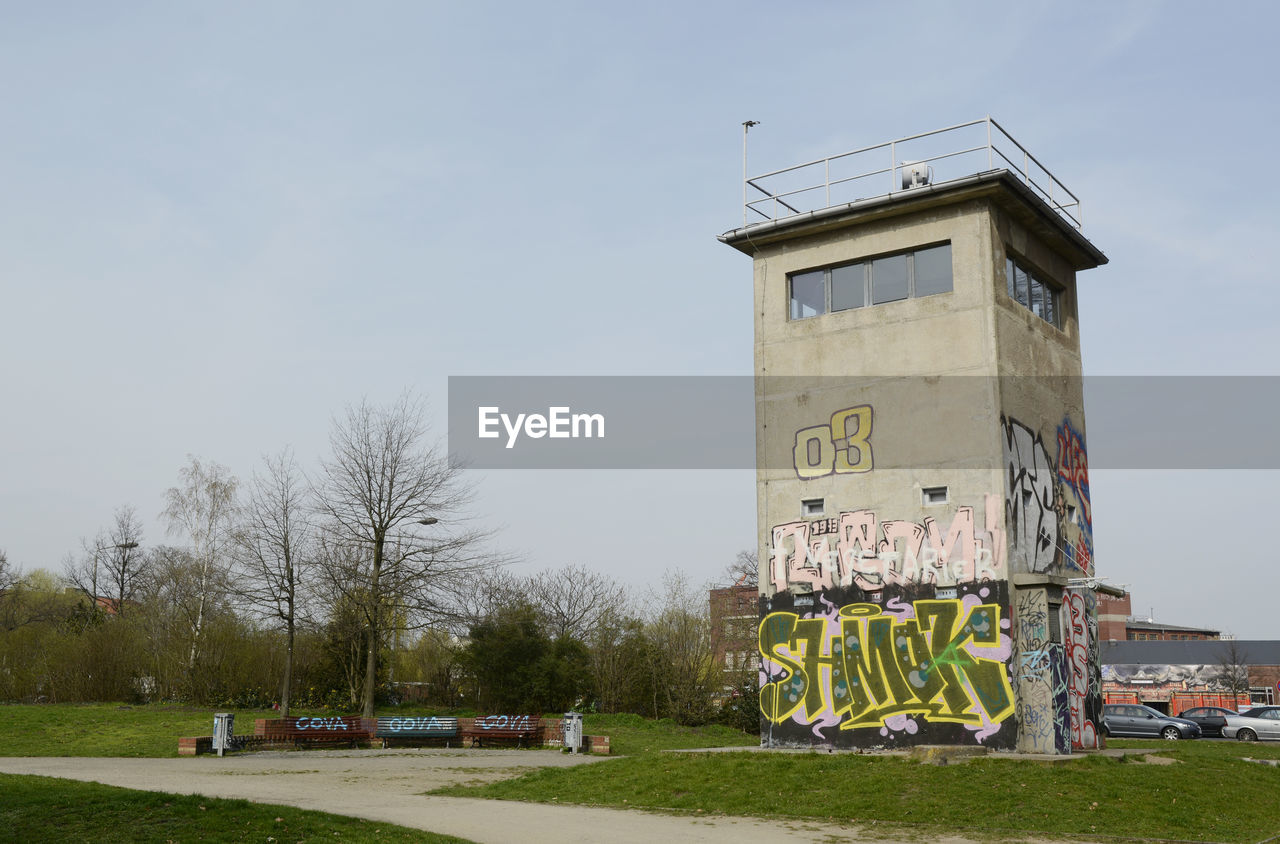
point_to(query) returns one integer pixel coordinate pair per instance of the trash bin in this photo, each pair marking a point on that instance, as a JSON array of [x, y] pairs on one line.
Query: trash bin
[[573, 732], [223, 724]]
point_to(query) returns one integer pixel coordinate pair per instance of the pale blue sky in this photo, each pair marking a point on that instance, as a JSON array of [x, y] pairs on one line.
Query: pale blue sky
[[219, 223]]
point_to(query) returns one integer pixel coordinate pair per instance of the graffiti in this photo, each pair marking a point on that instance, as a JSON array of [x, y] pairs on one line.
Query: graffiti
[[321, 724], [842, 447], [1077, 641], [1076, 513], [1033, 620], [856, 549], [864, 665], [1211, 678], [1030, 505], [1039, 677], [507, 722], [422, 724]]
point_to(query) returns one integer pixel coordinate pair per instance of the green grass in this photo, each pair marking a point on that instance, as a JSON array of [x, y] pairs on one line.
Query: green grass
[[106, 729], [1211, 796], [631, 734], [43, 808]]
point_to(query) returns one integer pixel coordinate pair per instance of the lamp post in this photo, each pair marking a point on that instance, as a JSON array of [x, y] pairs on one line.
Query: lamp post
[[395, 628]]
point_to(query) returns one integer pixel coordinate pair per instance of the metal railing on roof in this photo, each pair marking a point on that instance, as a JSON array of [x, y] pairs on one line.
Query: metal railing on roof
[[966, 148]]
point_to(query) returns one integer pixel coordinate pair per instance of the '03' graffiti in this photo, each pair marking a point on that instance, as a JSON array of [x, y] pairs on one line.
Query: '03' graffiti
[[879, 666], [842, 447]]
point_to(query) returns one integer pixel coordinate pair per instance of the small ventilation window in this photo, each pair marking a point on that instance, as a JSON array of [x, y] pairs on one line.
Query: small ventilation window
[[813, 506], [933, 495]]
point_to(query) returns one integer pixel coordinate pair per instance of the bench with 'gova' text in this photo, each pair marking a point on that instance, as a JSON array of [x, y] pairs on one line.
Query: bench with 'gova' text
[[504, 728], [305, 731], [416, 729]]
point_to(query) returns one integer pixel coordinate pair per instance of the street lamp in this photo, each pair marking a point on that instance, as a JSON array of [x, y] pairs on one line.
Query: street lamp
[[395, 630]]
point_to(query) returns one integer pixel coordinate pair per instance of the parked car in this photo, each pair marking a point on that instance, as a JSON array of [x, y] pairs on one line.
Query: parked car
[[1130, 719], [1261, 722], [1210, 718]]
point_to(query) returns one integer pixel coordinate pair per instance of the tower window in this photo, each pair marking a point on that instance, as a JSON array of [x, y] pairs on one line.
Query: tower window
[[813, 506], [808, 294], [891, 278], [933, 495], [1041, 298]]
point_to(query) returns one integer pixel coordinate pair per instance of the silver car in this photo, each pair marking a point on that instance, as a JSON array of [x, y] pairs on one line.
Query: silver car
[[1261, 722], [1131, 719]]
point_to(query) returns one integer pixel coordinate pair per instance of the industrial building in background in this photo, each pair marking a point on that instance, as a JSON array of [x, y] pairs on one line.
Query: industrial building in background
[[926, 549]]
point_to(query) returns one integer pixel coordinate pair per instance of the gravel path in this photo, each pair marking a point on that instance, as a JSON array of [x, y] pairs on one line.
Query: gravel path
[[388, 785]]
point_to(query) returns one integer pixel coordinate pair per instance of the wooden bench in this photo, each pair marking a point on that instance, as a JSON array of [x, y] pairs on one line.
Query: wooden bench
[[416, 729], [308, 731], [516, 728]]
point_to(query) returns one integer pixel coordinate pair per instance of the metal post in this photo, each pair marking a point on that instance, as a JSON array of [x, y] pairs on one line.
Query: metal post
[[893, 166], [826, 168], [990, 161], [746, 127]]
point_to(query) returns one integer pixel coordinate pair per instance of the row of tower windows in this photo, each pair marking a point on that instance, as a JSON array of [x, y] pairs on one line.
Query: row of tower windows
[[907, 275], [1042, 299]]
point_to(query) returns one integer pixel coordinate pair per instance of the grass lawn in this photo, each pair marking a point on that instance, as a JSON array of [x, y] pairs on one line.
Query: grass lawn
[[106, 729], [44, 809], [1209, 794], [630, 735]]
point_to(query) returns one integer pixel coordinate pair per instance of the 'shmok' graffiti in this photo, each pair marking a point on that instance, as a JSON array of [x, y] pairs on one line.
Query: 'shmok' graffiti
[[864, 665], [854, 549]]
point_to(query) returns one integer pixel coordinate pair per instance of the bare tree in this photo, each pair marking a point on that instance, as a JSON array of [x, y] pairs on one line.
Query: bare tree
[[273, 553], [113, 565], [744, 570], [8, 576], [381, 481], [203, 508], [573, 599], [1233, 670]]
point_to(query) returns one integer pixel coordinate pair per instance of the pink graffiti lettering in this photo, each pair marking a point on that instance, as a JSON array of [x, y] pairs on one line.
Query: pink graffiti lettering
[[871, 554]]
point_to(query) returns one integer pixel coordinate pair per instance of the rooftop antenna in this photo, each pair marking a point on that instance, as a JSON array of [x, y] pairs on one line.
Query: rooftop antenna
[[746, 127]]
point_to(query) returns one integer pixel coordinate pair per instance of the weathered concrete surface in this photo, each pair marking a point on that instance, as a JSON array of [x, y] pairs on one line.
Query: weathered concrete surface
[[388, 785]]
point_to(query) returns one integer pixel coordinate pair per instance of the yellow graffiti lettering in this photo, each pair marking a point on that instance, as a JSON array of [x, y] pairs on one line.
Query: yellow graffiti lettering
[[843, 446], [853, 446], [866, 666]]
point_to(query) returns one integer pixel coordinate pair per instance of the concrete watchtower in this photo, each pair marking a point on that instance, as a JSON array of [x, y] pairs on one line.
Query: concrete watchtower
[[926, 551]]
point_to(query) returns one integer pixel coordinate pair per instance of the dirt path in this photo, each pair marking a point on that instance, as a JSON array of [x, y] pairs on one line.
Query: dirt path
[[388, 785]]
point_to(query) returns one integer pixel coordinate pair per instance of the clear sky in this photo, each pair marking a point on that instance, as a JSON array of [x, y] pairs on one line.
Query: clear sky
[[221, 222]]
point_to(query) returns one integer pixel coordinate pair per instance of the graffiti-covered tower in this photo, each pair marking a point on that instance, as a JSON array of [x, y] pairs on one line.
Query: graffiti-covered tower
[[926, 552]]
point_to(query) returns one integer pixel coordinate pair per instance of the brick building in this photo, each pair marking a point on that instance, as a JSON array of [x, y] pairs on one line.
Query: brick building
[[1117, 622], [1174, 675], [735, 616]]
